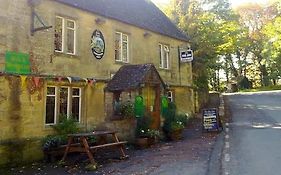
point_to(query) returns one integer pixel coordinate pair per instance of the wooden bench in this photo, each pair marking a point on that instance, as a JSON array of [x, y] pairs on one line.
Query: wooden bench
[[90, 150], [109, 145], [52, 154]]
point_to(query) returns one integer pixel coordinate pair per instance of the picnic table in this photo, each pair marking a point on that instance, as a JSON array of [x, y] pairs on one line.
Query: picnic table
[[84, 146]]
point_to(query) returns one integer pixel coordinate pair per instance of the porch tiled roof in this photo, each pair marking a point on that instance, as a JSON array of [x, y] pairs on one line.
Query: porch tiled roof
[[130, 77], [140, 13]]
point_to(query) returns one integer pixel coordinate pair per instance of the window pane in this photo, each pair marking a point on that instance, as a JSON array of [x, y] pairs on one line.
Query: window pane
[[117, 46], [165, 61], [58, 34], [75, 108], [70, 41], [125, 38], [50, 110], [76, 91], [125, 51], [160, 55], [50, 105], [166, 57], [63, 101], [51, 90], [70, 24]]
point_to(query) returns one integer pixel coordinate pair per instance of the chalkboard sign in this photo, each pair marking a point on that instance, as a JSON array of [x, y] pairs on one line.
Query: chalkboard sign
[[210, 119]]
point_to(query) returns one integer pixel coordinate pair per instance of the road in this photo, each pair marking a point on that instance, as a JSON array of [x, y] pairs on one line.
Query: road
[[253, 137]]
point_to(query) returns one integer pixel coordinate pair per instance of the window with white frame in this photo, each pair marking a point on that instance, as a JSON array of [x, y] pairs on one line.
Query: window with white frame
[[170, 96], [65, 35], [62, 101], [164, 54], [121, 47]]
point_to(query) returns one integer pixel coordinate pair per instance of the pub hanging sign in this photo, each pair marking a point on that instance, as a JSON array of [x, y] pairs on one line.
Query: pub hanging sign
[[97, 44], [185, 54]]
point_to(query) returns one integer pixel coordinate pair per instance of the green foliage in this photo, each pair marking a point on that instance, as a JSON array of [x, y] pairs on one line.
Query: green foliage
[[244, 83], [153, 133], [127, 109], [243, 43], [66, 125], [143, 126], [173, 121]]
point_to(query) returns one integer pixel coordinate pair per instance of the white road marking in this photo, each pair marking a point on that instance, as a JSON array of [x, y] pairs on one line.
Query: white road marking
[[227, 145], [226, 124], [227, 157], [226, 136]]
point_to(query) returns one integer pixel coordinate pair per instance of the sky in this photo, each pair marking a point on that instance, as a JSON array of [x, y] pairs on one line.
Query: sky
[[233, 2]]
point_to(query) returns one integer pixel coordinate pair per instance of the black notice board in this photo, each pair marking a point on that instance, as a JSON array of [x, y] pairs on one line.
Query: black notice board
[[210, 119]]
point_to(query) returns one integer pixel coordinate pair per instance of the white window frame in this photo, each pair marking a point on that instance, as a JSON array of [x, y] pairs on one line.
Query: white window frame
[[170, 96], [69, 102], [74, 37], [80, 100], [64, 36], [121, 56], [55, 109], [164, 50]]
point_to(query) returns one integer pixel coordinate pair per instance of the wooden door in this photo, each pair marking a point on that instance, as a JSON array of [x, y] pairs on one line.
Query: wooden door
[[151, 95]]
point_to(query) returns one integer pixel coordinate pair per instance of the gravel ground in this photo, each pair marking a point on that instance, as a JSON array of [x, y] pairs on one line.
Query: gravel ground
[[190, 156]]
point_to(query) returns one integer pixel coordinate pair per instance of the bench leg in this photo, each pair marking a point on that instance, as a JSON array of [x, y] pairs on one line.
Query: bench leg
[[121, 147], [70, 140], [87, 150]]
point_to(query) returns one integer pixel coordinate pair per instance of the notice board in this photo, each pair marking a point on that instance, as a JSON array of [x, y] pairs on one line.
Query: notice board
[[210, 119], [16, 62]]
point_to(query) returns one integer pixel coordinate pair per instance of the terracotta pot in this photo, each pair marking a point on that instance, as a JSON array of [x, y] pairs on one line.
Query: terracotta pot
[[142, 143], [176, 134]]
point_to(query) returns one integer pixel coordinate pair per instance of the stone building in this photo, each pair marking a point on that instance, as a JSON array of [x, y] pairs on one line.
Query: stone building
[[60, 57]]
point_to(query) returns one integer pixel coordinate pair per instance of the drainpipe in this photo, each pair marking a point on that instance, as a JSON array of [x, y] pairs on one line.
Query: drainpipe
[[179, 64]]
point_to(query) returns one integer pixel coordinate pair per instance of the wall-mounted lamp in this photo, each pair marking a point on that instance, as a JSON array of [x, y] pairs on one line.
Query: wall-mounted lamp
[[100, 21]]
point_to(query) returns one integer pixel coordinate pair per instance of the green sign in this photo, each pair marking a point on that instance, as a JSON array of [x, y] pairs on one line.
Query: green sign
[[17, 63], [164, 105], [139, 106]]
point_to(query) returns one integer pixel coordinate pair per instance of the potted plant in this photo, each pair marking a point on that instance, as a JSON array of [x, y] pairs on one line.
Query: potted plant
[[142, 129], [174, 123], [153, 136]]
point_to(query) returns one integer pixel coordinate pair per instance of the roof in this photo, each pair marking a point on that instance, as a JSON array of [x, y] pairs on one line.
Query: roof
[[140, 13], [132, 76]]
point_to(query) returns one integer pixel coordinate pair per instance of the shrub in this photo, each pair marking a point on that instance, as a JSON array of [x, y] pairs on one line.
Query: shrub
[[66, 125], [127, 109], [143, 124], [173, 121]]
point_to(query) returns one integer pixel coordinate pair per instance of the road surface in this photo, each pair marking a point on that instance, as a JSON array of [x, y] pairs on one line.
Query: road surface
[[253, 137]]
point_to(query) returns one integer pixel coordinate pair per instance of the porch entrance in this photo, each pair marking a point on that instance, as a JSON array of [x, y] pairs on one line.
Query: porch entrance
[[151, 94]]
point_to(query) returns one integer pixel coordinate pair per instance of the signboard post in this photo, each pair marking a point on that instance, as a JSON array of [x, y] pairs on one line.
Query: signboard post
[[211, 119]]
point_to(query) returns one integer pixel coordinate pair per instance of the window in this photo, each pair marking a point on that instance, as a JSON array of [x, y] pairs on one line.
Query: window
[[62, 101], [65, 35], [121, 47], [170, 95], [164, 54], [51, 106]]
